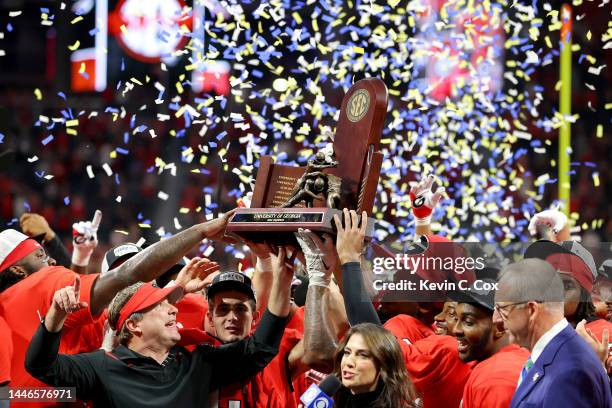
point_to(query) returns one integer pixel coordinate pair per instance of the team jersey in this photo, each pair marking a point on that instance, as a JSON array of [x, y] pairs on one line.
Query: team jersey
[[270, 388], [24, 304], [494, 380], [409, 328], [192, 311], [598, 326], [436, 370], [6, 351]]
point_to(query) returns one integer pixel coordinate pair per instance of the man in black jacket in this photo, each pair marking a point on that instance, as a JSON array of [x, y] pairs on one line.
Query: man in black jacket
[[148, 369]]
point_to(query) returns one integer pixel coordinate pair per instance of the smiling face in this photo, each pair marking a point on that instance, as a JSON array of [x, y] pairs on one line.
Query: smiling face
[[602, 299], [157, 326], [33, 262], [358, 367], [475, 332], [571, 288], [445, 320], [232, 315]]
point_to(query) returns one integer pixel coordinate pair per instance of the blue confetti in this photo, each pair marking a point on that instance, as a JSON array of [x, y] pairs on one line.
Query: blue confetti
[[47, 140]]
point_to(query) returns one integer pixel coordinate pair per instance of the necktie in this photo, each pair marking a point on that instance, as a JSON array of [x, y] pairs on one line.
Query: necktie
[[525, 370]]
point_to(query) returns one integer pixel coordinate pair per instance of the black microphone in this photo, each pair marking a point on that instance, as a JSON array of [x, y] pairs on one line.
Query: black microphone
[[320, 396]]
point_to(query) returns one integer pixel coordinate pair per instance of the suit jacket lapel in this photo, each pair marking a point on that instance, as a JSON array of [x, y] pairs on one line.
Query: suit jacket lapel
[[538, 371]]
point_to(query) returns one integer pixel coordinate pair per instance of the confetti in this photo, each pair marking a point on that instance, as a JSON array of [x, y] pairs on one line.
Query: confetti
[[74, 46]]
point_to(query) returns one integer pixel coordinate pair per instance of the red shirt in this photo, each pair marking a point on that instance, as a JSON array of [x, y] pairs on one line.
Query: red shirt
[[303, 381], [297, 320], [436, 370], [598, 326], [192, 311], [271, 387], [494, 380], [409, 328], [25, 303], [6, 351]]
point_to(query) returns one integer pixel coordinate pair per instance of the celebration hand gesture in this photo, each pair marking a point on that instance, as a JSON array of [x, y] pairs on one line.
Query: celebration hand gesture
[[65, 301], [196, 275], [85, 239], [424, 200]]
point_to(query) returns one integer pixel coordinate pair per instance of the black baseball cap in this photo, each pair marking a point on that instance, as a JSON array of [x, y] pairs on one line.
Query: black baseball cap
[[480, 292], [113, 256], [231, 281], [605, 270]]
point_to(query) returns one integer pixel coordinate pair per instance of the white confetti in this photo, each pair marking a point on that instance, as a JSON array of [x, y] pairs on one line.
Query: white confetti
[[107, 169], [596, 71]]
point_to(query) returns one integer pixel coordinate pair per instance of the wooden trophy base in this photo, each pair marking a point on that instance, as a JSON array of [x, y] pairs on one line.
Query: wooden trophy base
[[277, 225]]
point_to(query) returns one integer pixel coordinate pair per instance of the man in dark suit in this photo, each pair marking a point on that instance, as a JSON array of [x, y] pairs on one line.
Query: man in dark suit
[[563, 370]]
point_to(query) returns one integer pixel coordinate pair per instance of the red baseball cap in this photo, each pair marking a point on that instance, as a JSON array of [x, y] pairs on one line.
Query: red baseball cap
[[14, 246], [572, 265], [147, 295]]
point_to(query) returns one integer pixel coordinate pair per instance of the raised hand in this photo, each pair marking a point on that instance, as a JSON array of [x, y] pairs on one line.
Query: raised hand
[[196, 275], [320, 256], [215, 229], [601, 348], [351, 236], [85, 239], [260, 249], [279, 302], [553, 219], [424, 200], [65, 301], [35, 224]]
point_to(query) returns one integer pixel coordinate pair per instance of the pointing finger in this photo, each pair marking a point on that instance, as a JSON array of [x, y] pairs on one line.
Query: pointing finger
[[95, 222]]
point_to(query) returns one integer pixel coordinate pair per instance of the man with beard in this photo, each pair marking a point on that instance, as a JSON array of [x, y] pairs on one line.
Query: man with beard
[[482, 339], [602, 291]]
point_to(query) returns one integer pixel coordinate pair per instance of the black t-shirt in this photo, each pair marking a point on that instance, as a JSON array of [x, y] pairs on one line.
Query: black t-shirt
[[124, 378]]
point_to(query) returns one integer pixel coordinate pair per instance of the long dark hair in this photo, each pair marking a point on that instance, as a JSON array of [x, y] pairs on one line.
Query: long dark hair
[[397, 388], [586, 308]]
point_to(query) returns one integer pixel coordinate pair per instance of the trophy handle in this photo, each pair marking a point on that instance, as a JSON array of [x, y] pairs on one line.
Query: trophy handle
[[367, 190]]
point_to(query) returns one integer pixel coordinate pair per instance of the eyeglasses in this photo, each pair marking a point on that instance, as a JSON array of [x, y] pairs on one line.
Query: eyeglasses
[[500, 309]]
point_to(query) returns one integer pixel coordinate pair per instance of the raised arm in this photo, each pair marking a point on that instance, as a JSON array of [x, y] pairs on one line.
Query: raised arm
[[34, 225], [242, 359], [42, 359], [423, 202], [153, 261], [320, 335], [349, 245], [553, 224], [262, 275]]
